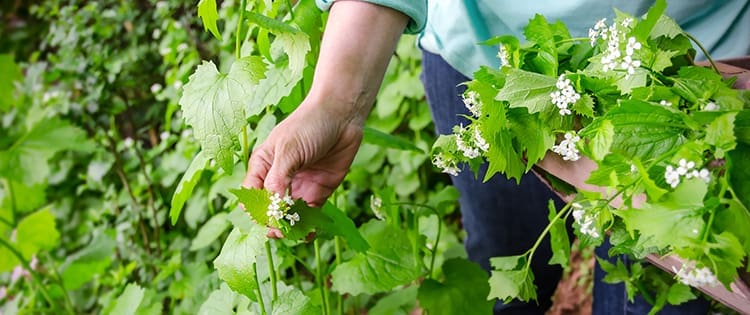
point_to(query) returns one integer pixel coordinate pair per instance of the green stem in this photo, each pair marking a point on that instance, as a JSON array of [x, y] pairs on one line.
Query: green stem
[[291, 8], [245, 145], [705, 52], [433, 250], [243, 5], [271, 271], [12, 199], [707, 228], [339, 298], [34, 276], [258, 292], [319, 277], [544, 233], [68, 303], [574, 39]]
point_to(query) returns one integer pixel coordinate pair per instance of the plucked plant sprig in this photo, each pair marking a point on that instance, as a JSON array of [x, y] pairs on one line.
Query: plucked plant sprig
[[630, 98]]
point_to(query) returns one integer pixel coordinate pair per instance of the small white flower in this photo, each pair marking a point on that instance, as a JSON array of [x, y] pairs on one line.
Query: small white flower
[[376, 205], [155, 88], [633, 168], [627, 22], [177, 85], [128, 142], [165, 51], [156, 33], [164, 136], [445, 164], [711, 106], [472, 103], [665, 103], [182, 47], [632, 46], [688, 274], [161, 5], [288, 200], [503, 55], [565, 96], [671, 176], [567, 147], [586, 221], [292, 218], [479, 140]]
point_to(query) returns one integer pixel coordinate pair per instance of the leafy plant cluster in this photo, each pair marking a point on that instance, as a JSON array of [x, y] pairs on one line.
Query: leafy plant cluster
[[669, 139], [123, 142]]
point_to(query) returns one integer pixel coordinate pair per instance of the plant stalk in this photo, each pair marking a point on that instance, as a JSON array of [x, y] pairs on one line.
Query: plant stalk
[[271, 271]]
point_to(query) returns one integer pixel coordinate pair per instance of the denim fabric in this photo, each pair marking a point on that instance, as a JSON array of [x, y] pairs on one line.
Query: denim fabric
[[502, 218]]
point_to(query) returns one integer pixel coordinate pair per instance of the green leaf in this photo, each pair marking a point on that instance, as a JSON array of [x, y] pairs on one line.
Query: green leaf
[[503, 158], [679, 217], [644, 27], [238, 255], [527, 89], [92, 260], [279, 82], [532, 136], [127, 303], [727, 255], [666, 26], [214, 104], [720, 134], [186, 185], [25, 161], [208, 14], [296, 46], [294, 302], [222, 301], [652, 189], [464, 290], [387, 264], [341, 225], [584, 106], [273, 25], [382, 139], [511, 279], [739, 170], [37, 232], [679, 293], [210, 231], [734, 218], [601, 134], [742, 126], [558, 238], [397, 302], [26, 198], [11, 73], [645, 131], [539, 32]]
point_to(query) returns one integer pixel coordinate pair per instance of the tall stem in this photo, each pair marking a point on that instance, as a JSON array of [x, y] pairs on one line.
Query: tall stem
[[339, 298], [258, 292], [271, 270], [705, 52], [237, 41], [319, 277]]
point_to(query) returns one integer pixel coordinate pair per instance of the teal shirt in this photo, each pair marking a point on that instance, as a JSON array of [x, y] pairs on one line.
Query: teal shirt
[[453, 28]]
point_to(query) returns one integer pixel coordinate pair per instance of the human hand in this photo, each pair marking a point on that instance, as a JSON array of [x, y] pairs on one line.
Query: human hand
[[308, 153]]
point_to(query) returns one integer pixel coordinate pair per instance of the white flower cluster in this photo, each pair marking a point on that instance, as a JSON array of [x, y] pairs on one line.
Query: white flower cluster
[[504, 56], [472, 103], [567, 147], [615, 36], [695, 277], [586, 221], [565, 95], [376, 205], [445, 164], [470, 142], [279, 207], [687, 169]]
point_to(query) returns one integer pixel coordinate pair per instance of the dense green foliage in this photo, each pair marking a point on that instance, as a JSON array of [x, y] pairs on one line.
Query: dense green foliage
[[120, 192]]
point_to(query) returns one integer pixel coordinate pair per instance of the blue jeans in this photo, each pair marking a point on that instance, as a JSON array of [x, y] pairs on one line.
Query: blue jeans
[[502, 218]]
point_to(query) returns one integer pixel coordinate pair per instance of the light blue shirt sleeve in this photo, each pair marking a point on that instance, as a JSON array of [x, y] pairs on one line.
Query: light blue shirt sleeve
[[416, 10]]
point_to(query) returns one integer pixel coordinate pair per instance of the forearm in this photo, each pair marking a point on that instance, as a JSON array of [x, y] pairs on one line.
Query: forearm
[[357, 45]]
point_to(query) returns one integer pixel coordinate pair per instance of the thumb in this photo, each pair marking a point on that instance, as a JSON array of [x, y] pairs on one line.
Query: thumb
[[279, 176]]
